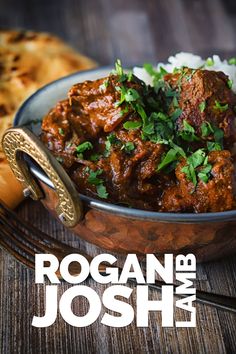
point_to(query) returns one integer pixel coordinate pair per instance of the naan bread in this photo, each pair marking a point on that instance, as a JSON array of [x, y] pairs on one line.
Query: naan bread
[[28, 60]]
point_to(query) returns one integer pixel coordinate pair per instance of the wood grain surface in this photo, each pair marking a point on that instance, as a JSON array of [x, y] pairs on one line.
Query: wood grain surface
[[134, 31]]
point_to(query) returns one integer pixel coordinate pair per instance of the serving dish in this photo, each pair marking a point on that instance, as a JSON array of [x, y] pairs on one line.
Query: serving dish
[[109, 226]]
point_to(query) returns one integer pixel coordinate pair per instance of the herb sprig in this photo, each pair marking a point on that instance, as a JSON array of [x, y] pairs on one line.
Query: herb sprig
[[81, 148], [98, 182], [160, 127]]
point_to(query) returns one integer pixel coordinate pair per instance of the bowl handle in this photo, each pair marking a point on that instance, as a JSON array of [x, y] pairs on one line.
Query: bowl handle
[[17, 141]]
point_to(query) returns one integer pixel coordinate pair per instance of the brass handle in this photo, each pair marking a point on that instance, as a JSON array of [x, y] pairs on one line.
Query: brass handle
[[18, 140]]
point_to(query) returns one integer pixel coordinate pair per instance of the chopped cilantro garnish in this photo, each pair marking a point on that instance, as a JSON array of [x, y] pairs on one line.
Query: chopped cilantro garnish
[[204, 173], [175, 102], [128, 147], [102, 191], [111, 139], [202, 106], [190, 173], [188, 132], [124, 111], [171, 155], [149, 69], [61, 131], [209, 62], [129, 76], [221, 107], [132, 125], [142, 113], [94, 157], [107, 148], [232, 61], [158, 125], [206, 129], [197, 158], [149, 129], [176, 114], [118, 67], [92, 178], [98, 182], [177, 148], [218, 135], [162, 71], [189, 77], [83, 147], [156, 75], [213, 146], [104, 85], [230, 84], [131, 95], [119, 71], [194, 161]]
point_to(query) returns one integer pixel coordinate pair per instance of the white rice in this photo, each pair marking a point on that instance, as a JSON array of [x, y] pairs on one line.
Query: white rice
[[191, 61]]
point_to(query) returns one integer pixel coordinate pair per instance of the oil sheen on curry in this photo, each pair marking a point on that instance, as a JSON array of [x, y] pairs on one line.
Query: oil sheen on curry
[[164, 148]]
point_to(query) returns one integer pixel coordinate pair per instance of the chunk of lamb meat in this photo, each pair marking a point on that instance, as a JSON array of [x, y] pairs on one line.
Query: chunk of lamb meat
[[209, 88], [97, 102], [214, 196], [91, 109], [130, 176]]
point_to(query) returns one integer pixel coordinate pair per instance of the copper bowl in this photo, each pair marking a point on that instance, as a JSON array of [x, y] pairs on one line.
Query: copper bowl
[[109, 226]]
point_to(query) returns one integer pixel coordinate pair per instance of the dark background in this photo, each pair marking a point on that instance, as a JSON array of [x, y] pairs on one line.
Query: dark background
[[136, 31], [133, 30]]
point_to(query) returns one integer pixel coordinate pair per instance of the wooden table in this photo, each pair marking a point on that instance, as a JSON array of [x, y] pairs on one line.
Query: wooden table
[[135, 31]]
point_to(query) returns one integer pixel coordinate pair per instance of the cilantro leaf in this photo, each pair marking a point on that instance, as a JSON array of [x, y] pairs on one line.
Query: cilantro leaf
[[104, 85], [132, 125], [175, 102], [193, 161], [61, 131], [218, 135], [107, 148], [118, 67], [149, 69], [83, 147], [221, 107], [197, 158], [98, 182], [176, 114], [203, 175], [111, 139], [128, 147], [171, 155], [202, 106], [149, 128], [142, 113], [92, 178], [206, 129], [232, 61], [209, 62], [213, 146], [188, 132], [156, 74], [177, 148], [190, 173], [102, 191], [230, 84], [94, 157], [131, 95]]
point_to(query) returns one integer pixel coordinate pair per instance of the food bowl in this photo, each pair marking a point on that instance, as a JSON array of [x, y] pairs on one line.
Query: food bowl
[[112, 227]]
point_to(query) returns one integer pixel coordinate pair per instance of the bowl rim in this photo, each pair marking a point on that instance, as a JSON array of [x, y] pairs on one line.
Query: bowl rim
[[169, 217]]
